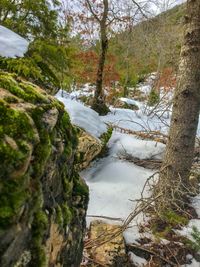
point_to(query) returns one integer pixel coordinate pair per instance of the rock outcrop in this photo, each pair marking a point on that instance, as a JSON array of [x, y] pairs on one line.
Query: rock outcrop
[[88, 148], [43, 200], [105, 246]]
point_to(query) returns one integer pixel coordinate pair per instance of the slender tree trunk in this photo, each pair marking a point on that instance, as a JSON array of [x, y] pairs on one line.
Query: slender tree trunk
[[99, 99], [99, 81], [173, 180]]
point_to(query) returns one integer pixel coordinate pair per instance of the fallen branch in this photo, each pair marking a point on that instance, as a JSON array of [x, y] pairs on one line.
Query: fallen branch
[[105, 217], [152, 135]]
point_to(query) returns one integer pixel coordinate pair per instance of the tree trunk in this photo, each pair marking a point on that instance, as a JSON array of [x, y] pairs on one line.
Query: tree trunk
[[99, 98], [173, 180]]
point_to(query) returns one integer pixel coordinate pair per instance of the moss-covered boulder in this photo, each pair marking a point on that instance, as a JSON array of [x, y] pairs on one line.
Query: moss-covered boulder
[[42, 199]]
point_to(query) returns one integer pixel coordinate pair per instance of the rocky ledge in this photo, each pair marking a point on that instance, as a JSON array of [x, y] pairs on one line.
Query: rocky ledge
[[43, 200]]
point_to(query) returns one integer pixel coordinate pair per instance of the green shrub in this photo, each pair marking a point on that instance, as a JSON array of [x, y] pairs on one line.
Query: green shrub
[[153, 98]]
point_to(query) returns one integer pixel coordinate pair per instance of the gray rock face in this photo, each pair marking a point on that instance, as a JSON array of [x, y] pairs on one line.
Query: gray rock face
[[43, 200]]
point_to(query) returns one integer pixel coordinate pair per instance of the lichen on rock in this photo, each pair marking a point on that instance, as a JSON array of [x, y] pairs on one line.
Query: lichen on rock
[[40, 192]]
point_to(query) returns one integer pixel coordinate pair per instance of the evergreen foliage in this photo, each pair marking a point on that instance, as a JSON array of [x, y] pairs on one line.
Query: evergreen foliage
[[29, 17], [196, 236], [153, 98], [48, 61]]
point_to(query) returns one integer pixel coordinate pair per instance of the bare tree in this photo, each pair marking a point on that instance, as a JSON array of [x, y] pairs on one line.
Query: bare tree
[[99, 99], [102, 18], [173, 180]]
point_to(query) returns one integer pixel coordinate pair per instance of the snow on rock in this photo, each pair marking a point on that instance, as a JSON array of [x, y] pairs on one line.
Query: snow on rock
[[11, 44], [83, 116], [142, 149], [130, 101], [139, 262]]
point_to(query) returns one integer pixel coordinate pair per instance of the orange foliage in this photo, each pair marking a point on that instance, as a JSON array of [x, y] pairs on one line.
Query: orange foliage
[[167, 79], [87, 71]]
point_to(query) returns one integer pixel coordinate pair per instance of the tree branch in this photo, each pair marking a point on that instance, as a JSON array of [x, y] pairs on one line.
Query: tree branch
[[92, 11], [140, 8]]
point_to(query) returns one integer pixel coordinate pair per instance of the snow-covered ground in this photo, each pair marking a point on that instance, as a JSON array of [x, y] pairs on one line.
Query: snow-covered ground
[[11, 44], [136, 120], [115, 183]]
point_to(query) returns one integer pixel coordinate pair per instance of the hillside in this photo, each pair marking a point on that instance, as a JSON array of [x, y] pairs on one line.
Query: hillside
[[149, 46]]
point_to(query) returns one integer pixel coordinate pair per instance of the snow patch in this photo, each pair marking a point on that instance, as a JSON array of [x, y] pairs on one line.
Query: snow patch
[[114, 183], [83, 116], [193, 264], [196, 204], [130, 101], [139, 262], [187, 230], [141, 149], [135, 120]]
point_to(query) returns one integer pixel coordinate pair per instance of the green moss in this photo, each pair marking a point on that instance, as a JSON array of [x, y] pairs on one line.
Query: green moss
[[11, 99], [69, 132], [63, 215], [59, 216], [80, 188], [168, 220], [67, 215], [174, 219], [12, 198], [42, 153], [67, 187], [32, 95], [130, 106], [44, 148], [15, 123], [25, 140], [16, 132], [195, 243], [39, 226], [153, 98], [22, 90], [105, 137], [79, 157]]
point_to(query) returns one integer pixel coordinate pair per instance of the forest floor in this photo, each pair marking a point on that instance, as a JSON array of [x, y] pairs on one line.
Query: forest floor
[[119, 180]]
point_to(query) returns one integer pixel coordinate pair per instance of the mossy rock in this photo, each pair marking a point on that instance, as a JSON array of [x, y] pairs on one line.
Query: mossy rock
[[37, 148]]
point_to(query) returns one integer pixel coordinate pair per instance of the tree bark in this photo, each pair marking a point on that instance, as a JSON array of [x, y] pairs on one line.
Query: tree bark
[[174, 175], [99, 98]]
